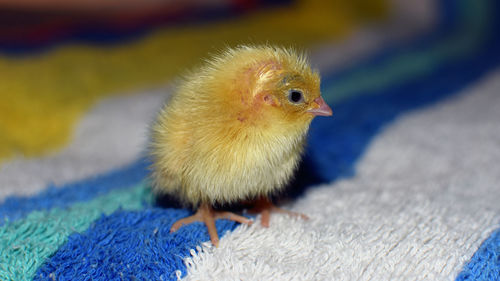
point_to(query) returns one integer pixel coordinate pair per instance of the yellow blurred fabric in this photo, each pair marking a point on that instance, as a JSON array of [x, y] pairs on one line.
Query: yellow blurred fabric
[[44, 95]]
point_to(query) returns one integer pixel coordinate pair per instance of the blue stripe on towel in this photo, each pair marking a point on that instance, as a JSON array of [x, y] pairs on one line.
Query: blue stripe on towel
[[129, 245], [17, 207], [485, 264]]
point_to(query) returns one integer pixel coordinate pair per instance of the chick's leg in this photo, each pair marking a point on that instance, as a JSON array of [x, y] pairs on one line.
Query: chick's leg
[[208, 215], [265, 207]]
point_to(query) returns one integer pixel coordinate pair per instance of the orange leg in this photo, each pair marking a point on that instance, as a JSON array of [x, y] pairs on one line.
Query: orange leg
[[266, 207], [208, 215]]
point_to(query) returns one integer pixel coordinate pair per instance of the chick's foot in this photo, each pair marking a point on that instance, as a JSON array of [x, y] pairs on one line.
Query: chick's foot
[[265, 207], [208, 215]]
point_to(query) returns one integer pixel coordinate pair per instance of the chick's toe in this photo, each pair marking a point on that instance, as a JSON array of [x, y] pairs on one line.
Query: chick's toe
[[265, 207], [208, 215]]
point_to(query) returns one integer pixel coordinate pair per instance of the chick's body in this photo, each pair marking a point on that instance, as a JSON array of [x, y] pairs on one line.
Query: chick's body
[[236, 128]]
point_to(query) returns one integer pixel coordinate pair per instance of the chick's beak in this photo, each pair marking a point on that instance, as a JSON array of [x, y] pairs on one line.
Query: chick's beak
[[322, 110]]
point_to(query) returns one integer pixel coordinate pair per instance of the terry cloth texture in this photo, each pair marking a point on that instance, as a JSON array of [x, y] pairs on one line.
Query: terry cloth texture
[[422, 201], [401, 184]]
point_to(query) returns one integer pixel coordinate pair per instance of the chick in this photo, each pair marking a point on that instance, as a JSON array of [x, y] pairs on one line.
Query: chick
[[234, 131]]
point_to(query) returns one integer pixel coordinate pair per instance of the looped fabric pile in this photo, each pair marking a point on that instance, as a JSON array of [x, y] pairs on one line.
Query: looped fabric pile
[[402, 183]]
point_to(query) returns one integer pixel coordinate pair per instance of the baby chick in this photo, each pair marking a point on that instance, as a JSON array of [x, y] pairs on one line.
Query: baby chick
[[235, 130]]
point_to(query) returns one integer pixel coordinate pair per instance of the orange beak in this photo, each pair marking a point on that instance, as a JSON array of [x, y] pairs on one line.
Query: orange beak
[[322, 110]]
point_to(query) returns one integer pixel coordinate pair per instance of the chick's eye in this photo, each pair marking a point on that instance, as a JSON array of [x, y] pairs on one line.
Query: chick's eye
[[295, 96]]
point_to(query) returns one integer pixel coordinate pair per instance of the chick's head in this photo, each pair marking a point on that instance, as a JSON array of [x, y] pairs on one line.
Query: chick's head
[[276, 85], [293, 95]]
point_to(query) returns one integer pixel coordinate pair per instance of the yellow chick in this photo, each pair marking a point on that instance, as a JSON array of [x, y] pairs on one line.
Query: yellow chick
[[234, 131]]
